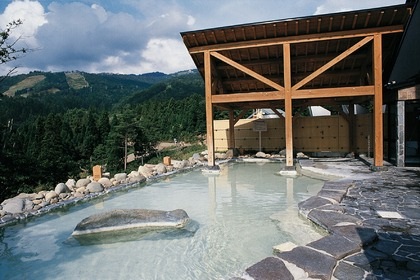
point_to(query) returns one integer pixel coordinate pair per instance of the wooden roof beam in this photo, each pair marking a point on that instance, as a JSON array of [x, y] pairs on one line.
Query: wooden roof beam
[[333, 92], [299, 39], [247, 97], [330, 101]]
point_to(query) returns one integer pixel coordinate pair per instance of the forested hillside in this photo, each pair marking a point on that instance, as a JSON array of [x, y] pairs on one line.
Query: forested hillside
[[61, 125]]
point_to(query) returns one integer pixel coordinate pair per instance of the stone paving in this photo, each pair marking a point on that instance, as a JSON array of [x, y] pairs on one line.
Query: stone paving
[[373, 221]]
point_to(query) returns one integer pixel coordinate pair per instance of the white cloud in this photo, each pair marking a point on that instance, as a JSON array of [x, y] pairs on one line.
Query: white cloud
[[100, 12], [332, 6], [191, 20], [169, 55], [77, 36], [33, 16]]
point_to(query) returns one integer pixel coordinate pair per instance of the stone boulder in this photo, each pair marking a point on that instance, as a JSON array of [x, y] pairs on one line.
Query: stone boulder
[[120, 177], [301, 155], [232, 153], [261, 155], [220, 156], [180, 164], [94, 187], [137, 179], [13, 205], [39, 196], [29, 205], [61, 188], [123, 219], [50, 195], [26, 196], [106, 182], [71, 184], [145, 171], [82, 182], [133, 174], [160, 168]]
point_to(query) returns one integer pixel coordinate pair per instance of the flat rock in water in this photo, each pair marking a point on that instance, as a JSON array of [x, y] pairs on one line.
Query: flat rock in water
[[126, 219]]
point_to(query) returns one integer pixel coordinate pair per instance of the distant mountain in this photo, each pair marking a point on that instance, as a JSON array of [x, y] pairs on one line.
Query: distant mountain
[[177, 86], [47, 82]]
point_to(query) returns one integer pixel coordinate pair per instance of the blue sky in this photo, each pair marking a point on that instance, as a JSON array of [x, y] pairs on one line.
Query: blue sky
[[137, 36]]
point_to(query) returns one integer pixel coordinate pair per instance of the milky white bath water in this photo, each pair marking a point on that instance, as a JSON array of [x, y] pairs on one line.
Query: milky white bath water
[[238, 216]]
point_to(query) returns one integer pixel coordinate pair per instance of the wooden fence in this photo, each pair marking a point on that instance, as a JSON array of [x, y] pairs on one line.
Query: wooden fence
[[310, 134]]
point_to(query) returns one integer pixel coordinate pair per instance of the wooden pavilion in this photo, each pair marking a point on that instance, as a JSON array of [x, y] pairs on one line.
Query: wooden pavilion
[[331, 59]]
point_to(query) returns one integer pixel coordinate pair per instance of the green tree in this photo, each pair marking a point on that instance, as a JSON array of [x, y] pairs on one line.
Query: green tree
[[113, 149], [9, 50], [91, 137]]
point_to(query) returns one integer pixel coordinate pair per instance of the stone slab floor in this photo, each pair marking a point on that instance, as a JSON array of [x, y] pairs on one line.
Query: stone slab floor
[[373, 221]]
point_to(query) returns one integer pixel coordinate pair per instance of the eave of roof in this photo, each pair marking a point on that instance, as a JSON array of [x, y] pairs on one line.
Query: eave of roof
[[315, 40], [340, 21]]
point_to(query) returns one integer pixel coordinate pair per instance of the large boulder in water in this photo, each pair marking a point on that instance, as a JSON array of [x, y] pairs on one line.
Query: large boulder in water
[[123, 219]]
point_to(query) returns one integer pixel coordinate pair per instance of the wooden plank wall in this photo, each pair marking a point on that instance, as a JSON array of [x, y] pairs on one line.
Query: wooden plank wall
[[310, 134], [321, 134], [364, 132]]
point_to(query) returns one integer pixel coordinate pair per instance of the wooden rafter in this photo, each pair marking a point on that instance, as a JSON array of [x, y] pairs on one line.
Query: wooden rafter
[[247, 97], [332, 62], [247, 71]]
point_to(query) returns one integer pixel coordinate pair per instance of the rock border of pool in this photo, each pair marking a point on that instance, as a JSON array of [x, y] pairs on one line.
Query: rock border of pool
[[14, 218], [373, 221], [23, 206]]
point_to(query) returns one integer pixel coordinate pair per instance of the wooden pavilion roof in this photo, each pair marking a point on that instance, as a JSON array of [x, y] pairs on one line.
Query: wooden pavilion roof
[[249, 57]]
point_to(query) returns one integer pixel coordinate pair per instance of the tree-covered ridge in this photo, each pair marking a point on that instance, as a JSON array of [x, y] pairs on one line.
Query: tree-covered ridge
[[63, 82], [48, 138], [178, 86]]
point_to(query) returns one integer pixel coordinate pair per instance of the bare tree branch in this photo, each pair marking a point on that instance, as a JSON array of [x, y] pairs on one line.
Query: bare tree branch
[[8, 50]]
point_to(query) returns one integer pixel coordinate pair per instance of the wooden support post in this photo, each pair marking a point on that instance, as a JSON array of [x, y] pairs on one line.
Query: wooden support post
[[288, 104], [231, 144], [377, 111], [209, 108], [352, 128]]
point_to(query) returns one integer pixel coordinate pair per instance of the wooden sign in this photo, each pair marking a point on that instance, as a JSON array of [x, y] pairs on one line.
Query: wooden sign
[[260, 125], [97, 172]]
